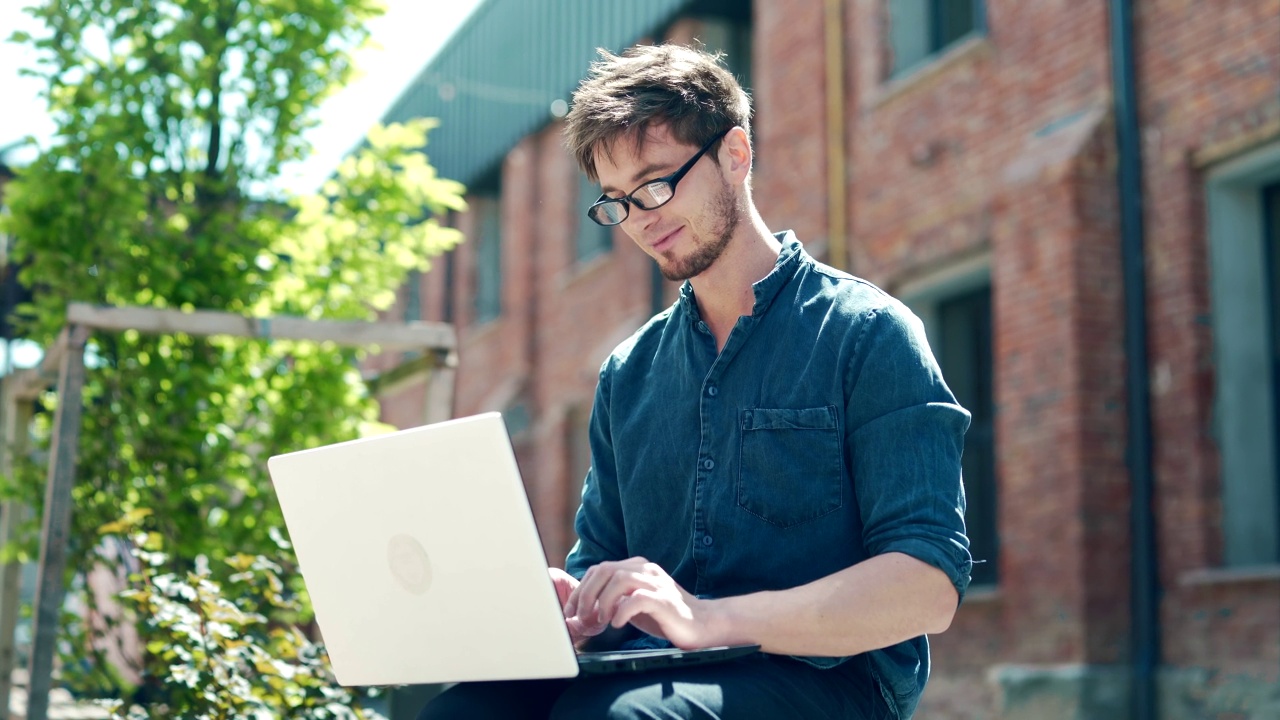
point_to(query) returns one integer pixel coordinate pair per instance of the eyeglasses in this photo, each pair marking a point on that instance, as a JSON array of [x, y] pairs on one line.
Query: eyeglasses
[[649, 196]]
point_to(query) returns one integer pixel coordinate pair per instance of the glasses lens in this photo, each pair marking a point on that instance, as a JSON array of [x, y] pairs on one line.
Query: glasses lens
[[609, 212], [653, 195]]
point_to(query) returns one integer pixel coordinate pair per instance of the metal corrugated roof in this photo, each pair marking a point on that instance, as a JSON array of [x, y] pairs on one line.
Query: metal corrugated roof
[[494, 82]]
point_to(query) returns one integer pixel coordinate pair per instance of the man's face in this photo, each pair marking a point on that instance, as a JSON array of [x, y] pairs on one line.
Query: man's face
[[687, 234]]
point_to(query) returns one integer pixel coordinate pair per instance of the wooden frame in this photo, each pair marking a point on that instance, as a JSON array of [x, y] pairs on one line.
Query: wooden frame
[[64, 363]]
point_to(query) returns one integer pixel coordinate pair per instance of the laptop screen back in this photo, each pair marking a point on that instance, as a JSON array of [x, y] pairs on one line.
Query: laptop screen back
[[421, 557]]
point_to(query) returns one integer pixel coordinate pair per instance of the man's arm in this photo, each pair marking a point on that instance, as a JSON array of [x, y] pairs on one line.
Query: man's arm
[[876, 603]]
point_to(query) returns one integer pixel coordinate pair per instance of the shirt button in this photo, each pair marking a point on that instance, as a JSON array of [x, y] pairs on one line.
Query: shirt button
[[702, 326], [712, 391], [706, 540], [708, 463]]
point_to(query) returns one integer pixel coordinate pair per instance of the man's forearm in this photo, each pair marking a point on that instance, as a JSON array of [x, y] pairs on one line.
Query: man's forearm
[[874, 604]]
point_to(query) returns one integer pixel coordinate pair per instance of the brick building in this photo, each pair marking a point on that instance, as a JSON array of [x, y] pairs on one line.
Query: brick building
[[967, 156]]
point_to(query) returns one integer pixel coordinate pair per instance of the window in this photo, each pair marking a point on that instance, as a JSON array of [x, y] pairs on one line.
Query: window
[[957, 318], [919, 29], [450, 285], [732, 36], [577, 427], [1244, 253], [413, 296], [592, 239], [488, 298]]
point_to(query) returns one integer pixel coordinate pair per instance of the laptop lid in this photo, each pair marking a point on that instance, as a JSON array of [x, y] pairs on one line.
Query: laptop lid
[[421, 557]]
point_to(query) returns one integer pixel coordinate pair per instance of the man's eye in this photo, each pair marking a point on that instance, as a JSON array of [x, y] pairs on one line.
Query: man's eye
[[659, 191]]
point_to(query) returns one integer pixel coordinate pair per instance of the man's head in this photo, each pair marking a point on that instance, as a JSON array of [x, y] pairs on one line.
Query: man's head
[[686, 90]]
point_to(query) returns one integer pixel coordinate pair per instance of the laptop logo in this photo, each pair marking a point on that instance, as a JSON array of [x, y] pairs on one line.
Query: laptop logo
[[409, 563]]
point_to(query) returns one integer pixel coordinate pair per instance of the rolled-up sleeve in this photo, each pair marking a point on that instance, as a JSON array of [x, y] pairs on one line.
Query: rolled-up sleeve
[[905, 435]]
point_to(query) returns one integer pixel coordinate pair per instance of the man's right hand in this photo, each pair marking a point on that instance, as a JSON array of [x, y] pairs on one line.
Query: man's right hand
[[581, 629]]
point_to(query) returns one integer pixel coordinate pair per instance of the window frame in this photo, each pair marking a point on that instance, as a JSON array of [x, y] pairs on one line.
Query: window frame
[[487, 301], [1246, 404], [592, 239], [926, 298], [935, 45]]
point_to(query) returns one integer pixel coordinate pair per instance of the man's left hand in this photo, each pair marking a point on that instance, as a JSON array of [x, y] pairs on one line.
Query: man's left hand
[[639, 592]]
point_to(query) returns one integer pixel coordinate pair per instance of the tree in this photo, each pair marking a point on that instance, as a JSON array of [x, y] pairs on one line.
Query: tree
[[173, 116]]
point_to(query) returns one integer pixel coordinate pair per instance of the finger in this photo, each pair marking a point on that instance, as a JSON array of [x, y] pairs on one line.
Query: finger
[[583, 596], [564, 584], [575, 596], [640, 601], [621, 586], [579, 630], [586, 596]]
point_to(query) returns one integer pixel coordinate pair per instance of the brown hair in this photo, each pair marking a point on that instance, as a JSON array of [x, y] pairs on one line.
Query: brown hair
[[685, 89]]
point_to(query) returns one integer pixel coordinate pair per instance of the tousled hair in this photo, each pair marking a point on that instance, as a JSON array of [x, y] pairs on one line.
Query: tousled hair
[[687, 90]]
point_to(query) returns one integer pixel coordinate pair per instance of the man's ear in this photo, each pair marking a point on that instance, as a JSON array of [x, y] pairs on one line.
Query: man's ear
[[735, 155]]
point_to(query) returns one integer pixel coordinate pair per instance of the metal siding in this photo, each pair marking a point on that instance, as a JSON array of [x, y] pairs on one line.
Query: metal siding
[[506, 65]]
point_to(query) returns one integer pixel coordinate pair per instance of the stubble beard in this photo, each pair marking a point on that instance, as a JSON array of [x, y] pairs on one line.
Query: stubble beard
[[725, 218]]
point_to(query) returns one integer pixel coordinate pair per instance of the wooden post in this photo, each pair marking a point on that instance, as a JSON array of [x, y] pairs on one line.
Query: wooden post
[[14, 425], [57, 521], [67, 354]]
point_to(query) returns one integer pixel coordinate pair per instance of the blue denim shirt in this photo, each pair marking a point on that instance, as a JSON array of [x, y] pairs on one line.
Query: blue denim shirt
[[821, 435]]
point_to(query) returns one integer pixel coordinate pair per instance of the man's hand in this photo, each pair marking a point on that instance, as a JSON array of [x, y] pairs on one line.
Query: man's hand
[[639, 592], [579, 632]]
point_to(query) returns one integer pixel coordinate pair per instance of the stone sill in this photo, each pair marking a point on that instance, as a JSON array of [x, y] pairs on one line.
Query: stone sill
[[982, 595], [1230, 576], [974, 46]]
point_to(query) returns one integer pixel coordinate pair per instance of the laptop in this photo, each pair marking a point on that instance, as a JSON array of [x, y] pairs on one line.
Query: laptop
[[423, 563]]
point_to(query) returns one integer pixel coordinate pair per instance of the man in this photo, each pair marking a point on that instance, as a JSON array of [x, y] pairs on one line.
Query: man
[[775, 458]]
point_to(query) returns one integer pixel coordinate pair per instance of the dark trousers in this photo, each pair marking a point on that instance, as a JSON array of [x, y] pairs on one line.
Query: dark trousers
[[762, 686]]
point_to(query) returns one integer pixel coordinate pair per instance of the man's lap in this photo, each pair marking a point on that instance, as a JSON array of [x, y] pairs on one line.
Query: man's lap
[[757, 687]]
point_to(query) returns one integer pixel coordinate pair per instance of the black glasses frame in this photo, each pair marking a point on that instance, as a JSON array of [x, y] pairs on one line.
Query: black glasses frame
[[599, 210]]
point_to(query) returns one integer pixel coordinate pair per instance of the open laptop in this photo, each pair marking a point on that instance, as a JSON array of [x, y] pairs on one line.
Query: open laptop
[[424, 565]]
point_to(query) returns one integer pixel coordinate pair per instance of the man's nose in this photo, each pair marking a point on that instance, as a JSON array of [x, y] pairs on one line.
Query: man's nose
[[639, 219]]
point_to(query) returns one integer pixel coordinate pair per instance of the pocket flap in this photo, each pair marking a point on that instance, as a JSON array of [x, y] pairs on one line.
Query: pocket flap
[[820, 418]]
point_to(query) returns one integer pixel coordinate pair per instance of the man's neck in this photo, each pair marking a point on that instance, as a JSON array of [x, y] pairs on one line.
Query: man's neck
[[724, 291]]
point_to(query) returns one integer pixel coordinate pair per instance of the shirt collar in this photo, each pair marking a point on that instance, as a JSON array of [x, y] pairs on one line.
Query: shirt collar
[[766, 289]]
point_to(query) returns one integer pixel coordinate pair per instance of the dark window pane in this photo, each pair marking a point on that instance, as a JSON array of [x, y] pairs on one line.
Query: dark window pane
[[964, 352], [413, 297], [578, 447], [593, 239], [921, 28], [909, 32], [489, 261], [450, 283], [954, 19], [1271, 245]]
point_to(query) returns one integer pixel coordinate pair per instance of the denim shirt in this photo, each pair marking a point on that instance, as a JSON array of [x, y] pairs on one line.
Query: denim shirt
[[822, 434]]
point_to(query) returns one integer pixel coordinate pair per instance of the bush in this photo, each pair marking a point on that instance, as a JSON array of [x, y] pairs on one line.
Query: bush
[[225, 650]]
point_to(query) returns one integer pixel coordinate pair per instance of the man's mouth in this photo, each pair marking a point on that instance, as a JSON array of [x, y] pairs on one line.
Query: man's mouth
[[665, 242]]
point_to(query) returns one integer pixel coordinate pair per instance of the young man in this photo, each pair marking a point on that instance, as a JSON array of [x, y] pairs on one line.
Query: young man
[[775, 458]]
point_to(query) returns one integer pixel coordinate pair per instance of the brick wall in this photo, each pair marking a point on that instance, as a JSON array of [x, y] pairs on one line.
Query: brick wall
[[1209, 79], [1000, 151]]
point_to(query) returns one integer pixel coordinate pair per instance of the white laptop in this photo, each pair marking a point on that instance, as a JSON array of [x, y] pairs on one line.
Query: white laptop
[[424, 565]]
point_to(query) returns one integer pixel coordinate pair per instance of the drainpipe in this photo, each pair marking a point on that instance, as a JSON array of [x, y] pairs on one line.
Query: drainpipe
[[837, 248], [1144, 579]]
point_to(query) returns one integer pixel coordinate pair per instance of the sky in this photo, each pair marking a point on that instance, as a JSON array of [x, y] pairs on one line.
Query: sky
[[404, 40]]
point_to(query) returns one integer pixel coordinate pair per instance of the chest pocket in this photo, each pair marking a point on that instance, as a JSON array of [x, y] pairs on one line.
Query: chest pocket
[[789, 469]]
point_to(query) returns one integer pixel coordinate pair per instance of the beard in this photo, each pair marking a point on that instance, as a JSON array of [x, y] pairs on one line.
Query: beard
[[725, 216]]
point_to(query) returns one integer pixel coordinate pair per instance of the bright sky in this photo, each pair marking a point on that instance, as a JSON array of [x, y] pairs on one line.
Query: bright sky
[[405, 38]]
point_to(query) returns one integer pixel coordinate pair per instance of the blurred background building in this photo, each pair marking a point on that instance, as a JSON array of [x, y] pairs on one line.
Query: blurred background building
[[1032, 178]]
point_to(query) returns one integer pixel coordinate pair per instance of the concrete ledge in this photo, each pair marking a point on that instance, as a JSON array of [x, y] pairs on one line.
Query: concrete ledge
[[1071, 691], [1076, 691]]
